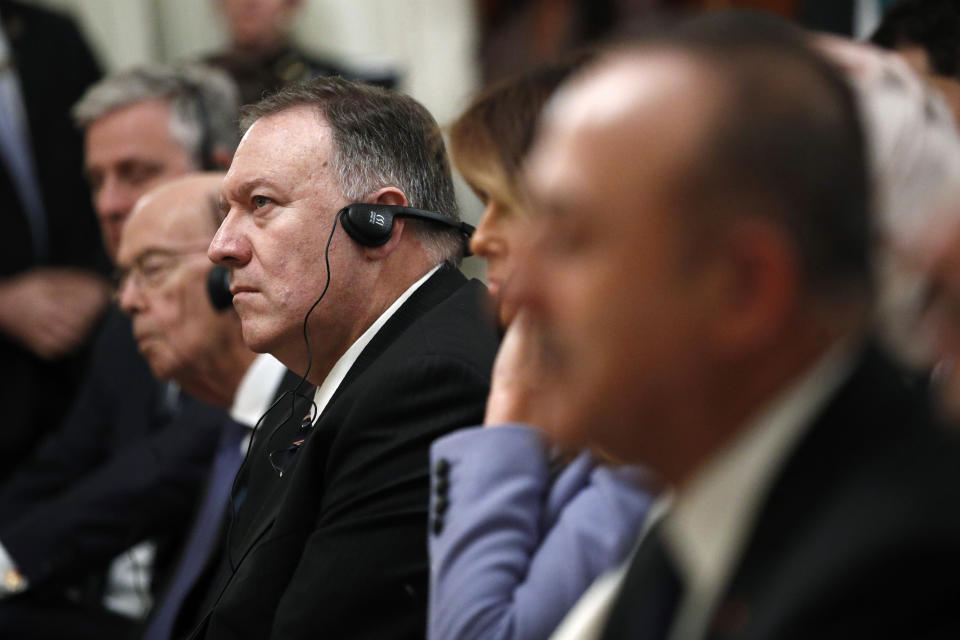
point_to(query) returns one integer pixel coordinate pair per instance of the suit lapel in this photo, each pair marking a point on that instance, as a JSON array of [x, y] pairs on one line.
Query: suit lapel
[[263, 507], [260, 505], [437, 288], [870, 408]]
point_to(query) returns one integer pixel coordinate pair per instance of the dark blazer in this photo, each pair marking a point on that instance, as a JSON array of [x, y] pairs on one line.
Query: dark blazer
[[54, 66], [127, 464], [336, 547], [860, 534]]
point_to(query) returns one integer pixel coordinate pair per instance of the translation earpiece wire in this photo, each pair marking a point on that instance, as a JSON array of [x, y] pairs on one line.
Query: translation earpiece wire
[[293, 397]]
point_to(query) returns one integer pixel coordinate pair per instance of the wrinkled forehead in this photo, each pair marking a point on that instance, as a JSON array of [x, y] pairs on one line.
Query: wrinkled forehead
[[301, 125], [296, 133], [293, 147]]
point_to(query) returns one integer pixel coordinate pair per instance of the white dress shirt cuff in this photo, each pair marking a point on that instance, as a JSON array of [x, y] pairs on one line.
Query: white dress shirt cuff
[[11, 580]]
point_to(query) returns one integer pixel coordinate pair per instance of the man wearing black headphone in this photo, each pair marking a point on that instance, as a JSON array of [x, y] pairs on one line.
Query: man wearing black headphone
[[335, 275]]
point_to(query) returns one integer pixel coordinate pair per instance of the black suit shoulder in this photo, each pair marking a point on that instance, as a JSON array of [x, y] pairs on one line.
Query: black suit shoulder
[[430, 380], [343, 532], [860, 534]]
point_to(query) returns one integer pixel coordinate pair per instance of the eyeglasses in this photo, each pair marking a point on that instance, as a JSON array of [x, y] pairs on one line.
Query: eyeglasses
[[151, 268]]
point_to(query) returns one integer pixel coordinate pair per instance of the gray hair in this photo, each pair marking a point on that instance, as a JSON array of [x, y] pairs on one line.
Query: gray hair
[[204, 102], [914, 153], [382, 138]]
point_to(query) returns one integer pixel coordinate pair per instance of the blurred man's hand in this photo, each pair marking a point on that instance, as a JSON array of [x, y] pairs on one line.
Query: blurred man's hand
[[52, 311]]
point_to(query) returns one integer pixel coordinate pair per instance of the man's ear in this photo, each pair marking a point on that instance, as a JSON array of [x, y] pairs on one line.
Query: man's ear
[[759, 287], [388, 195], [394, 197]]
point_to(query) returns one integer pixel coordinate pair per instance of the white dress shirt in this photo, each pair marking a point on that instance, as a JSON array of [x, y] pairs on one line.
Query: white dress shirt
[[339, 370], [256, 393]]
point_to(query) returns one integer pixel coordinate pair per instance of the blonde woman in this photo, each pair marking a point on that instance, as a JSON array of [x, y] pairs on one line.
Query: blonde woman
[[516, 535]]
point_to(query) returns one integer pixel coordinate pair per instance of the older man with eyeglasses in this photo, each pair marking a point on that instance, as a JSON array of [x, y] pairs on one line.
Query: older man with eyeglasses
[[163, 270], [127, 463]]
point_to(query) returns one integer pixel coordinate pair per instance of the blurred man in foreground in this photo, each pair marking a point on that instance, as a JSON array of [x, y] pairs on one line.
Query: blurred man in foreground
[[706, 311]]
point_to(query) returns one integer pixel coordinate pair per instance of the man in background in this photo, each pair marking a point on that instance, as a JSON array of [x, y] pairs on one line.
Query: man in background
[[65, 540], [53, 288], [927, 34], [262, 57]]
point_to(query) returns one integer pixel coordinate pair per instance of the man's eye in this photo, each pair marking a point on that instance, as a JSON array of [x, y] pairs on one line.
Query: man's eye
[[139, 174], [153, 269], [261, 201]]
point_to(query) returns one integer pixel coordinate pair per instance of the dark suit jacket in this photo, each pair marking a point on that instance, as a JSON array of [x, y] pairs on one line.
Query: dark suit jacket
[[337, 546], [190, 611], [54, 66], [124, 466], [860, 534]]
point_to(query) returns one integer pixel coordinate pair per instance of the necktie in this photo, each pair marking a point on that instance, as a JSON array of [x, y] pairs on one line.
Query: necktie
[[648, 598], [205, 531]]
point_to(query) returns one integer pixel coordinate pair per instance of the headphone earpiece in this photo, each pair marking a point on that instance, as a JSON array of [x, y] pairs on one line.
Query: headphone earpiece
[[205, 146], [371, 225], [218, 288]]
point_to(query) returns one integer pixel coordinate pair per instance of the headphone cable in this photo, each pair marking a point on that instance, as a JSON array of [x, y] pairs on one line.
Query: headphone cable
[[293, 397]]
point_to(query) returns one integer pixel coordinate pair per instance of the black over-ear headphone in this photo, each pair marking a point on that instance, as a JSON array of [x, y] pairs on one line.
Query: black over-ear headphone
[[218, 288], [371, 225]]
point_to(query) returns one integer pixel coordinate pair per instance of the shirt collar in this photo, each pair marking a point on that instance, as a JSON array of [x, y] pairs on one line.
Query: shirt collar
[[257, 389], [707, 526], [339, 371]]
